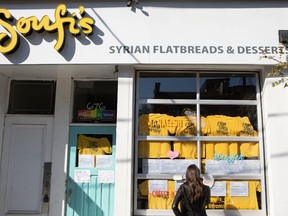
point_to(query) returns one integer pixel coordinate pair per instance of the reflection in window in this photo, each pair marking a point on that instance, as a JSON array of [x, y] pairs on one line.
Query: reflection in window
[[167, 86], [32, 97], [227, 86], [172, 110]]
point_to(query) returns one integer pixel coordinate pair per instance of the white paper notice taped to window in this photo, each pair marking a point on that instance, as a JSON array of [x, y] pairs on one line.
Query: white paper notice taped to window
[[239, 189], [86, 161], [158, 185], [82, 176], [219, 189], [151, 166], [104, 161], [106, 176]]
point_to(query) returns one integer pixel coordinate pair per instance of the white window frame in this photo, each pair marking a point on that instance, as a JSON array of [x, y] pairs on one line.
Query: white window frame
[[198, 138]]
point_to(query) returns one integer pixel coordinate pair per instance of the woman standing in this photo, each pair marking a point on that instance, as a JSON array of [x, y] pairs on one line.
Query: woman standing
[[192, 195]]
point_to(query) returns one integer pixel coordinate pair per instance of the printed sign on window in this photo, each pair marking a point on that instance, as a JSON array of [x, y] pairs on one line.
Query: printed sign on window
[[82, 176], [106, 176], [158, 185], [219, 189], [86, 161], [239, 188]]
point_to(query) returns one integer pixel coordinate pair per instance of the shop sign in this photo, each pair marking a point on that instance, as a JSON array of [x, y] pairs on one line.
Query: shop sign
[[197, 49], [9, 42], [96, 111]]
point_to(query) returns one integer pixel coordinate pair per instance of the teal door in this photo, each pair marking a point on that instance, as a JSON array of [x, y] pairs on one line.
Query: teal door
[[91, 165]]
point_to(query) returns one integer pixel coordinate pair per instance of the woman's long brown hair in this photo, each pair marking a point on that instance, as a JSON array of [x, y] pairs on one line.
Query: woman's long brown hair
[[193, 183]]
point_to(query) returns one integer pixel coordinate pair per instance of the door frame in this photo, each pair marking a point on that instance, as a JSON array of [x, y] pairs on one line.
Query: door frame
[[45, 122], [73, 188]]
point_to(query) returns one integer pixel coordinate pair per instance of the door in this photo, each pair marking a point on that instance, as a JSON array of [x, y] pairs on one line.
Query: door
[[90, 175], [26, 152]]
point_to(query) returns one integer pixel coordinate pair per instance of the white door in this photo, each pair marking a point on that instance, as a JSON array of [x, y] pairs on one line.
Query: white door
[[24, 188]]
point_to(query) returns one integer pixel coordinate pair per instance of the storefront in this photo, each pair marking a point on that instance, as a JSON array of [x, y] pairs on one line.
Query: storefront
[[103, 106]]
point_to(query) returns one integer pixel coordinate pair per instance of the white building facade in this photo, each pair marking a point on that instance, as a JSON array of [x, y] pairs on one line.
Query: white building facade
[[103, 106]]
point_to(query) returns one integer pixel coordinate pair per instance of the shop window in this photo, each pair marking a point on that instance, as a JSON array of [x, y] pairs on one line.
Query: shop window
[[32, 97], [208, 119], [228, 87], [236, 194], [94, 150], [161, 86], [95, 102]]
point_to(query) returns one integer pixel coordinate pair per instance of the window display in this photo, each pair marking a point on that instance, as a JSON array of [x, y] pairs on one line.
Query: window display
[[232, 195], [94, 150], [208, 119], [159, 193]]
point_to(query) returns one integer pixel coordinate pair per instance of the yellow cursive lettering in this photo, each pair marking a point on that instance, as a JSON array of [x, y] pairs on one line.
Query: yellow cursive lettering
[[8, 44], [60, 22], [25, 26], [86, 23]]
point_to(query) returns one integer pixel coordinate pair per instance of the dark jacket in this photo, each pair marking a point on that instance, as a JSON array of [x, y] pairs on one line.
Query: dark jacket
[[196, 208]]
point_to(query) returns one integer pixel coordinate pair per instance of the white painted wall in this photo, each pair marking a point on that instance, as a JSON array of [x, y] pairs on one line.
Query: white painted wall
[[3, 97], [59, 148], [124, 143], [275, 107]]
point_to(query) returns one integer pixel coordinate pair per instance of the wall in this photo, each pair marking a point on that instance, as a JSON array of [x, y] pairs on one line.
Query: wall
[[60, 143], [124, 140], [3, 96], [275, 116]]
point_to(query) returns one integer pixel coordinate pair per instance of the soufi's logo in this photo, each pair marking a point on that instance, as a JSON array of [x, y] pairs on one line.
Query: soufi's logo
[[9, 41], [230, 159]]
